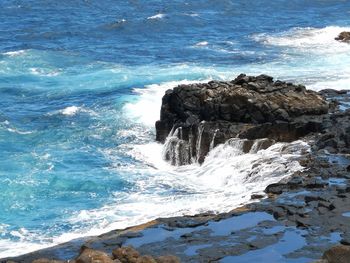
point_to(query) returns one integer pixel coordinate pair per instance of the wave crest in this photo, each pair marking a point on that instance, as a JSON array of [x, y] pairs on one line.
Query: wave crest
[[307, 38]]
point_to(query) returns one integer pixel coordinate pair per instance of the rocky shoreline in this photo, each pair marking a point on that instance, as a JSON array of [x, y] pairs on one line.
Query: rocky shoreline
[[295, 220]]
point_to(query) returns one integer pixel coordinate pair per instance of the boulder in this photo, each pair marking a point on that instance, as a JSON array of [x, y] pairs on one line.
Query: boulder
[[337, 254], [168, 259], [343, 37], [126, 255], [195, 118], [88, 255]]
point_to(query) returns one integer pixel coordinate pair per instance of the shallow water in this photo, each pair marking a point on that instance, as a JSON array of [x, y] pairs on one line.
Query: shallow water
[[81, 85]]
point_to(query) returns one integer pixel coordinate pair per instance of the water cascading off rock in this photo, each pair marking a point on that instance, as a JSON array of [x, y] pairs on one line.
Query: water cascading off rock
[[197, 117]]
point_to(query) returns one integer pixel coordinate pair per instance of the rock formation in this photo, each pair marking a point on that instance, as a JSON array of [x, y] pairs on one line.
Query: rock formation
[[119, 255], [195, 118], [343, 37], [336, 133]]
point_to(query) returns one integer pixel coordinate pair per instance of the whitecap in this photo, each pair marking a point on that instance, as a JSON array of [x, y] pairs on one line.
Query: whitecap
[[44, 72], [14, 53], [310, 39], [157, 16], [19, 132], [193, 15], [202, 44], [70, 111]]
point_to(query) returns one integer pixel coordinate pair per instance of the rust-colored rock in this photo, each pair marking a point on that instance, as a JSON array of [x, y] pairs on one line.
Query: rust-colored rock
[[126, 254], [337, 254], [89, 255], [168, 259]]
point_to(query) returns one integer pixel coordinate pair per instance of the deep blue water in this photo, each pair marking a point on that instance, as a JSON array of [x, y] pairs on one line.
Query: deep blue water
[[81, 85]]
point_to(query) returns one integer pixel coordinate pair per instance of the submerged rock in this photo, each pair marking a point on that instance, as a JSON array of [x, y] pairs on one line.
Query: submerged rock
[[343, 37], [195, 118]]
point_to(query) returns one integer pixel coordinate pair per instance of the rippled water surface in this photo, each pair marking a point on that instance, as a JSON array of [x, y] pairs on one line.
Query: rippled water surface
[[80, 89]]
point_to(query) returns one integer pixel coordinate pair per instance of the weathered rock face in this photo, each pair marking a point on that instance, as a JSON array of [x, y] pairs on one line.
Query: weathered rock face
[[194, 118], [343, 37]]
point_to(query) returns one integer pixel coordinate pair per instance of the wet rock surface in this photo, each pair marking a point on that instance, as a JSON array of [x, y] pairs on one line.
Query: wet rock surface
[[303, 218], [195, 118]]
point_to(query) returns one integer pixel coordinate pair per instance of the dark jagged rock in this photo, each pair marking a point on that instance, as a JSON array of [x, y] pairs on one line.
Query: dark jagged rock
[[197, 117], [343, 37], [336, 138]]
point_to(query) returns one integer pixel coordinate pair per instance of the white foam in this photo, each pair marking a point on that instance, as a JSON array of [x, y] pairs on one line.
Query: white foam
[[340, 83], [9, 248], [225, 180], [309, 39], [309, 56], [146, 109], [157, 16], [72, 111]]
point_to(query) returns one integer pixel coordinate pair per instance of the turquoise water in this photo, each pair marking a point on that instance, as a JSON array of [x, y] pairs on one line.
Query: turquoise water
[[81, 85]]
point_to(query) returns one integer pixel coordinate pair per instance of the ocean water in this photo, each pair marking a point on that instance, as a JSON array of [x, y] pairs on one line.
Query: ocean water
[[80, 89]]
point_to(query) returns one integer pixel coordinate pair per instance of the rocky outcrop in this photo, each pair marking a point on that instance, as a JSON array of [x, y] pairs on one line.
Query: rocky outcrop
[[343, 37], [194, 118]]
